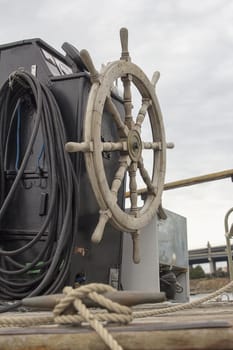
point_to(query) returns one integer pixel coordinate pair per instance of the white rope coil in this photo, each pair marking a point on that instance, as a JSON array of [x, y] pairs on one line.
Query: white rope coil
[[154, 312], [72, 310], [79, 313], [72, 303]]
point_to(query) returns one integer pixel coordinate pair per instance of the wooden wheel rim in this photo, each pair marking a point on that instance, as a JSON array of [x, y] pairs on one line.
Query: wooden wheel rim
[[94, 161]]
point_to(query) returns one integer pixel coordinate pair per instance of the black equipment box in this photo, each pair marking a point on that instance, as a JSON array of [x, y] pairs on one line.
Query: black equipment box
[[70, 85]]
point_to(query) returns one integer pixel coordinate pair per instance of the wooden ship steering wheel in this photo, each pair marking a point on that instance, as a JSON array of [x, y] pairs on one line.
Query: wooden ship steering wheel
[[129, 144]]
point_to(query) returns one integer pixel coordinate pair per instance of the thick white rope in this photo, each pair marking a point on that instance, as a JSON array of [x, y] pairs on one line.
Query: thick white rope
[[25, 321], [140, 314], [117, 313], [71, 310]]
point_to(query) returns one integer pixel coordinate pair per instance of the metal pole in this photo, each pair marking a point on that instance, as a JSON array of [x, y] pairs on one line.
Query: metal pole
[[191, 181], [228, 235]]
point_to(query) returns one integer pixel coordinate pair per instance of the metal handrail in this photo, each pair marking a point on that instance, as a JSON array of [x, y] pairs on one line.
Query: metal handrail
[[229, 235], [190, 181]]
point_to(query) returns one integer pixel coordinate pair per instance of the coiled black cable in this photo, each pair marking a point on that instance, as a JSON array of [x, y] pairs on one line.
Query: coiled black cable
[[61, 222]]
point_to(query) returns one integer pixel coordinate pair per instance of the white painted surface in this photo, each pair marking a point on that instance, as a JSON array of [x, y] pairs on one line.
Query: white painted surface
[[145, 275]]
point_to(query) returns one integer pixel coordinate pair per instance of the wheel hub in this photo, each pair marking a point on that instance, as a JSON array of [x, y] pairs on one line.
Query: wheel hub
[[134, 145]]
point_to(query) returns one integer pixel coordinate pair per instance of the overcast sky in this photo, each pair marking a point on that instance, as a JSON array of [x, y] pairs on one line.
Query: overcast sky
[[191, 44]]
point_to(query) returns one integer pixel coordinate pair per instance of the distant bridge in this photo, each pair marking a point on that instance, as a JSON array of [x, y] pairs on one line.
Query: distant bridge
[[209, 255]]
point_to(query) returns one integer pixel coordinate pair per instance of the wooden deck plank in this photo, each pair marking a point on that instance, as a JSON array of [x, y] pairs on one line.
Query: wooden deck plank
[[202, 328]]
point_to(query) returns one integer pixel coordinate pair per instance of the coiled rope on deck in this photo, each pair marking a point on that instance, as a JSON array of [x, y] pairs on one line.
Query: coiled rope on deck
[[117, 313], [155, 312], [72, 310]]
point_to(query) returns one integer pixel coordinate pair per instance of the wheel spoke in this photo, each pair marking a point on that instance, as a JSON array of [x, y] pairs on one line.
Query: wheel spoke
[[128, 101], [94, 74], [146, 102], [157, 146], [120, 173], [123, 129], [146, 178], [133, 187], [124, 44], [114, 146], [136, 250], [155, 78]]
